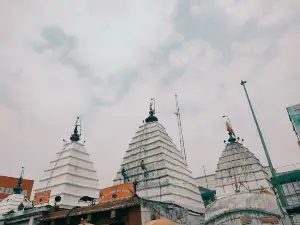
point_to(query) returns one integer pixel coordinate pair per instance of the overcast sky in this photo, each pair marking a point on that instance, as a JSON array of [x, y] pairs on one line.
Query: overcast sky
[[104, 60]]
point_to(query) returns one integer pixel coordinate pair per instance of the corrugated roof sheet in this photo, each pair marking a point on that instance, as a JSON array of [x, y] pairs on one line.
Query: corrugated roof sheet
[[122, 203]]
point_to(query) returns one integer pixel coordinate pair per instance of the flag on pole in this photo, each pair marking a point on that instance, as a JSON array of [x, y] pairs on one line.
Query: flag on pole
[[229, 128]]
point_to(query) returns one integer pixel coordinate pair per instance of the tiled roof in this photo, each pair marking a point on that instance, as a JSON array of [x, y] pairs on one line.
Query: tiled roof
[[117, 204]]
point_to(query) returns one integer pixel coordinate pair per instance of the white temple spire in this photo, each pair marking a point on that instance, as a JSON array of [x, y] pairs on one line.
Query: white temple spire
[[71, 175], [160, 169]]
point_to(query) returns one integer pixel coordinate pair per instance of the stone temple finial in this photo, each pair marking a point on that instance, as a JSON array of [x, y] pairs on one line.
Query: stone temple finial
[[18, 189], [151, 117], [75, 136]]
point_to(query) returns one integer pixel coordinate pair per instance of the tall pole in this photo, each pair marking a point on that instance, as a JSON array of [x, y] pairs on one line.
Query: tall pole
[[273, 172], [259, 131]]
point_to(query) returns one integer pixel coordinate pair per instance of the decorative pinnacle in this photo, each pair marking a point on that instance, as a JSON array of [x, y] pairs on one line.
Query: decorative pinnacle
[[232, 138], [75, 136], [18, 189], [151, 117]]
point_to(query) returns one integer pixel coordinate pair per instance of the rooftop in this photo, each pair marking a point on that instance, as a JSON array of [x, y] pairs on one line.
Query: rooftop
[[117, 204]]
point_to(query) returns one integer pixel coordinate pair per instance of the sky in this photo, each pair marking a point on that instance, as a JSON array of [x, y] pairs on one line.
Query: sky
[[104, 61]]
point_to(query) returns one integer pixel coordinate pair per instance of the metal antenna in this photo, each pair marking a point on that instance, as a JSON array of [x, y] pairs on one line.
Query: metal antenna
[[205, 176], [80, 125], [177, 113]]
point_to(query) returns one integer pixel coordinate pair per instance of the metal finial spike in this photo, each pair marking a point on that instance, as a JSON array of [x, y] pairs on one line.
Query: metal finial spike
[[75, 137], [18, 189], [151, 117]]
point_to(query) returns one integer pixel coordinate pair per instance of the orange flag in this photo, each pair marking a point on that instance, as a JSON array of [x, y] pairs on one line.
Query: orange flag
[[229, 128]]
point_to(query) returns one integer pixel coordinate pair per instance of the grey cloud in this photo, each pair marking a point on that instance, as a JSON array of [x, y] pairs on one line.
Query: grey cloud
[[172, 76], [161, 55], [7, 95], [55, 38], [191, 110], [264, 60], [251, 30], [122, 83], [210, 25], [120, 93]]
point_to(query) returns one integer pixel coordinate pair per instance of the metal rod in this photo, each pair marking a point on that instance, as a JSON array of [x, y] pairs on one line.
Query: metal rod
[[277, 186], [259, 131], [205, 176], [180, 128]]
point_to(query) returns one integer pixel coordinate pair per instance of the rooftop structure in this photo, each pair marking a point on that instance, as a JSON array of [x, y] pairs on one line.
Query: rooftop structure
[[160, 169], [70, 176]]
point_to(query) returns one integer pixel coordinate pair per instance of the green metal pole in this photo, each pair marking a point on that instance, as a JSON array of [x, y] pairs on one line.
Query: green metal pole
[[259, 131], [273, 172]]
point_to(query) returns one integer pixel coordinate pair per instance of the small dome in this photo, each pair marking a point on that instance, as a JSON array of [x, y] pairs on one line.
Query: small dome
[[262, 203]]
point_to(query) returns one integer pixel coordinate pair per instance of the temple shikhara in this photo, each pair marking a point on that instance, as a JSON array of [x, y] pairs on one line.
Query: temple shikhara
[[239, 170], [158, 167], [243, 189], [70, 176]]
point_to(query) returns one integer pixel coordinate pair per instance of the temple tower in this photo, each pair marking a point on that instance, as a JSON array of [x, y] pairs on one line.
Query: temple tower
[[244, 191], [70, 176], [238, 169], [160, 169]]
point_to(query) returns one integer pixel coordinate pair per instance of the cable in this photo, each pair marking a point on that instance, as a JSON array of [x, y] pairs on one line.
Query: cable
[[55, 164]]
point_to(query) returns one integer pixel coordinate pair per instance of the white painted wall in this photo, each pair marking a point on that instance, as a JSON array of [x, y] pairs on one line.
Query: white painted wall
[[168, 176], [71, 175]]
